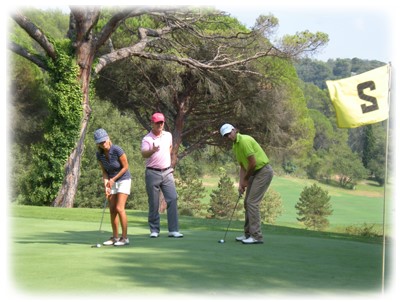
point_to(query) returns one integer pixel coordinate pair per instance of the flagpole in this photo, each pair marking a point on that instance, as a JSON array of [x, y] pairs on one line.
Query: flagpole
[[384, 187]]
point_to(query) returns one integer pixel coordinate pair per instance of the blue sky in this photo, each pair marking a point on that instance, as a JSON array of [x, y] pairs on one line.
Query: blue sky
[[363, 33]]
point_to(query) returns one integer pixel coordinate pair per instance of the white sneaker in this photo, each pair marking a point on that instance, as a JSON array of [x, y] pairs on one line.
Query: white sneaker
[[110, 241], [122, 241], [251, 240], [241, 238], [175, 234], [154, 235]]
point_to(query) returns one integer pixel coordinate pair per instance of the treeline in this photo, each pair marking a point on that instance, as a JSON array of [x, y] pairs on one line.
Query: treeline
[[347, 154], [289, 112], [318, 72]]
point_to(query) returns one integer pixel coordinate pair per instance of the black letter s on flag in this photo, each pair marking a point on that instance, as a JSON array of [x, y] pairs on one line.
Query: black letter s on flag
[[360, 88]]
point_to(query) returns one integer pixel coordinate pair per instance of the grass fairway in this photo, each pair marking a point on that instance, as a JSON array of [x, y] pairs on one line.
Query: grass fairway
[[350, 207], [51, 254]]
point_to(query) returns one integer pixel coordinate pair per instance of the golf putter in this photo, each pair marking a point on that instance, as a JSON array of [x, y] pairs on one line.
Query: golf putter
[[101, 221], [226, 232]]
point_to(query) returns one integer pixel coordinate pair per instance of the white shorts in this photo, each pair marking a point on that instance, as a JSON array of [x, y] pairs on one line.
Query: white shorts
[[122, 186]]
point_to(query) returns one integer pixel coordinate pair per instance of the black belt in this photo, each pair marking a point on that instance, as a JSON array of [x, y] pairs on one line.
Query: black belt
[[258, 170], [159, 170]]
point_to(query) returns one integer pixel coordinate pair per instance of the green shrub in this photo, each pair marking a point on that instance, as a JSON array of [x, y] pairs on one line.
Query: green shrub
[[366, 230], [45, 175], [271, 206], [223, 199], [190, 191], [313, 207]]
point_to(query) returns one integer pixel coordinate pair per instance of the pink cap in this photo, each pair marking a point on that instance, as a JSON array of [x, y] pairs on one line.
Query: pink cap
[[157, 117]]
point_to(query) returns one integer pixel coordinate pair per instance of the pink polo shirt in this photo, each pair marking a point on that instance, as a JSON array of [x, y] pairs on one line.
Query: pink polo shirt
[[162, 158]]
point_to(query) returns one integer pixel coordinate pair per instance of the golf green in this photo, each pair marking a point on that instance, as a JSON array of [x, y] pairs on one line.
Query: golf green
[[51, 253]]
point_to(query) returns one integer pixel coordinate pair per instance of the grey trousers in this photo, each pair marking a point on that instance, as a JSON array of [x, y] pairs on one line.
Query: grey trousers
[[257, 186], [164, 181]]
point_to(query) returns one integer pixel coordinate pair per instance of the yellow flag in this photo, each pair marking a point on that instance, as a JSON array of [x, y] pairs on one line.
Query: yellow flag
[[362, 99]]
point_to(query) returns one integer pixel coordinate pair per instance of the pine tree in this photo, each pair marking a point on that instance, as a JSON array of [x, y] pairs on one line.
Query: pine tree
[[222, 199], [271, 206], [369, 145], [313, 207], [190, 191]]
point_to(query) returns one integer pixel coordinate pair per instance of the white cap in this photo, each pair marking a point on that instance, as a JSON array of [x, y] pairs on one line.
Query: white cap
[[226, 128]]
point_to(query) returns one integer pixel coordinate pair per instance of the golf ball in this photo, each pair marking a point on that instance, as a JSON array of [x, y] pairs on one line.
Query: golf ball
[[221, 241], [98, 245]]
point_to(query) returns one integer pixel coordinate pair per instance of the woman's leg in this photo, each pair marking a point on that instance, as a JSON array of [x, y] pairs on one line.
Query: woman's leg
[[114, 214], [120, 210]]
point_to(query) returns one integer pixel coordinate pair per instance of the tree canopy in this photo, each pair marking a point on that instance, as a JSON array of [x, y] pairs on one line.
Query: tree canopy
[[98, 38]]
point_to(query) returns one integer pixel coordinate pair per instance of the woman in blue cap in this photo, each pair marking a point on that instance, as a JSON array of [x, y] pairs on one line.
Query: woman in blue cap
[[117, 184]]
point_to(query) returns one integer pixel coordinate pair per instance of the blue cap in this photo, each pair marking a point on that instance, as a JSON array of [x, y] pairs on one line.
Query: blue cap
[[100, 135]]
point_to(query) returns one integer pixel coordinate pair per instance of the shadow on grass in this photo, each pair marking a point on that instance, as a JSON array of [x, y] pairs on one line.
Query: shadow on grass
[[290, 261]]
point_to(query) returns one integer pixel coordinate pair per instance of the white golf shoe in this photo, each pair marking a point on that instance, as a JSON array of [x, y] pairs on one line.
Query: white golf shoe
[[110, 241], [251, 240], [175, 234], [241, 238], [122, 241]]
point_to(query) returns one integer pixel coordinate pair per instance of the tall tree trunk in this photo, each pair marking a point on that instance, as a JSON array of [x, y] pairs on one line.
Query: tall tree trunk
[[177, 138], [85, 50], [66, 195]]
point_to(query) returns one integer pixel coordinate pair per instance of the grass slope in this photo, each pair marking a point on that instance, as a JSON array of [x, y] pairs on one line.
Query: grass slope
[[349, 207], [51, 254]]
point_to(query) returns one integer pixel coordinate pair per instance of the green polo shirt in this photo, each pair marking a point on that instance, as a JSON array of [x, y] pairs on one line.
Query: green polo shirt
[[245, 146]]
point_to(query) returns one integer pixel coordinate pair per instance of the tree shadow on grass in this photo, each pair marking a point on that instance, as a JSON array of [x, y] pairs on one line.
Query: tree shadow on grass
[[291, 261]]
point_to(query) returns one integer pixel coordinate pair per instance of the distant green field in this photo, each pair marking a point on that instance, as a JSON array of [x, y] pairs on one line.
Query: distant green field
[[350, 207]]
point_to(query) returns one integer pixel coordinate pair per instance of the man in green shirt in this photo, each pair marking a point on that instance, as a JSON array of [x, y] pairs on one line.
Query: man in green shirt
[[254, 178]]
